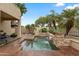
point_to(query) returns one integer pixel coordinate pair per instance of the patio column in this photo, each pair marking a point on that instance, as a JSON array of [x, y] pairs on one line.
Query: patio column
[[18, 29]]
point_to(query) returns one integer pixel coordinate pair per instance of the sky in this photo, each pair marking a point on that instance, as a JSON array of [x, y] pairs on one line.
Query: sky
[[36, 10]]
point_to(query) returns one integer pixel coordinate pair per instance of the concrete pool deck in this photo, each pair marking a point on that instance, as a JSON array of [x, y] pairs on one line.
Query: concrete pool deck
[[13, 49]]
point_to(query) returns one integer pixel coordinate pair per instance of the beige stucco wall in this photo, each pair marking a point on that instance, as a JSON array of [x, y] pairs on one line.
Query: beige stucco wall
[[6, 26], [10, 9]]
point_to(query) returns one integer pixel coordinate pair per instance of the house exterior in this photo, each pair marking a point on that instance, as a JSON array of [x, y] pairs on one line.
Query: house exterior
[[10, 18]]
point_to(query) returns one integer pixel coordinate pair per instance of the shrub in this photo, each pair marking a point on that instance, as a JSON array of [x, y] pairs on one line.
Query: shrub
[[43, 30], [51, 31]]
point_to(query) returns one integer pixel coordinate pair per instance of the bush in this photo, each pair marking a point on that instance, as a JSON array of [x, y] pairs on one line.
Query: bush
[[13, 35], [43, 30], [51, 31]]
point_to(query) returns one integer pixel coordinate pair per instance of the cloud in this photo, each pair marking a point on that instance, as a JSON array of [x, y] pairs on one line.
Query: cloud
[[60, 4], [72, 7]]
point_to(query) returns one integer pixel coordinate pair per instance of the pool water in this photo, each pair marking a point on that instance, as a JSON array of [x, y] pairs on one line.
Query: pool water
[[39, 43]]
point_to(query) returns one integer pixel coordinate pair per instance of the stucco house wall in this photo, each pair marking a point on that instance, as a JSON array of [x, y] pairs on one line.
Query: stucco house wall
[[12, 11]]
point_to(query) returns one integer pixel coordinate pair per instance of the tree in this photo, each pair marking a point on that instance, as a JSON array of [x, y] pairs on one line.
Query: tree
[[22, 8], [67, 19], [49, 20], [69, 15], [30, 28], [53, 17], [41, 21]]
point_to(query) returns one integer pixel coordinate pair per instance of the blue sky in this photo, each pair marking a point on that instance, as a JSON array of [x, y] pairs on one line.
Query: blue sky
[[35, 10]]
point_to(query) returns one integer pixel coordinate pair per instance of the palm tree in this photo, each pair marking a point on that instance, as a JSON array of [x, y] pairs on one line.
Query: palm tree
[[53, 17], [49, 22], [22, 8], [69, 15]]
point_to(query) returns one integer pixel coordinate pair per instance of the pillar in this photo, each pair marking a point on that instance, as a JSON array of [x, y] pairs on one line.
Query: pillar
[[18, 29]]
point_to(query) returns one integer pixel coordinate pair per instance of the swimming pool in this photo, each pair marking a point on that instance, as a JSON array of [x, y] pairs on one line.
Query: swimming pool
[[39, 43]]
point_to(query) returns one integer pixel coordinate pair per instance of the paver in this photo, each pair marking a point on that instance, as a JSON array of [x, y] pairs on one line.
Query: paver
[[14, 49]]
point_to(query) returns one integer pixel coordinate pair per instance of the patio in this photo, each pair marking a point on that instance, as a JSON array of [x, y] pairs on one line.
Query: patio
[[10, 23], [14, 49]]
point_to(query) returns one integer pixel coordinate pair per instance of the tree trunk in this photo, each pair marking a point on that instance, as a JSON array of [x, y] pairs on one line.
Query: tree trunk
[[69, 25]]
